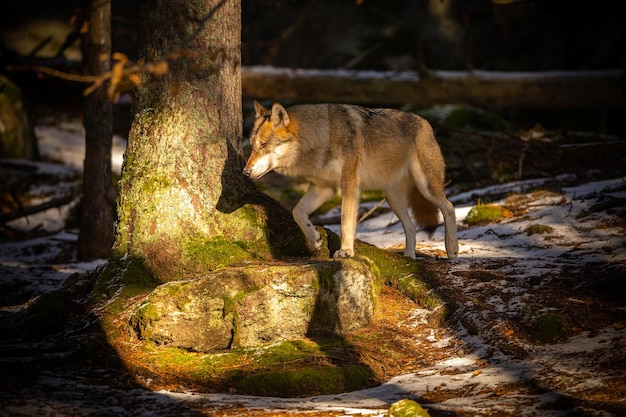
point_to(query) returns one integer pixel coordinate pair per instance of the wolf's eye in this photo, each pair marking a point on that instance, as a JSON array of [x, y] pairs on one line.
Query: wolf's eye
[[262, 145]]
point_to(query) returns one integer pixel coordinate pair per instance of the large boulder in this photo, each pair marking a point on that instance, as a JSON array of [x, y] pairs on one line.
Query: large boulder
[[252, 306]]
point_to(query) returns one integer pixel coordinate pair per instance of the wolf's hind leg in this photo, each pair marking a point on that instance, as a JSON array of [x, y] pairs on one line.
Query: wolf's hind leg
[[449, 217], [399, 203], [314, 197], [436, 195], [432, 189]]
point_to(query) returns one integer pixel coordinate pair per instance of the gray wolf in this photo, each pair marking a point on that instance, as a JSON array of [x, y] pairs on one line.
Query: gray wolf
[[355, 148]]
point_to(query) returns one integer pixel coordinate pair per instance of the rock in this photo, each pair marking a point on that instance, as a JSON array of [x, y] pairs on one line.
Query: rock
[[17, 138], [256, 305], [406, 408]]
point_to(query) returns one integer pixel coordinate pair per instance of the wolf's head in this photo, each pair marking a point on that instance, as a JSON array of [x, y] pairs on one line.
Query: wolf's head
[[269, 138]]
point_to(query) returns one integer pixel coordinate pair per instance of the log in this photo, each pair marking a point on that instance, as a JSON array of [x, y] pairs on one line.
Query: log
[[558, 89], [27, 211]]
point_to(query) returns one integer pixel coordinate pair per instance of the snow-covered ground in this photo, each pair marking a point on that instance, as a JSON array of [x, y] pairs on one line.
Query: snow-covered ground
[[549, 379]]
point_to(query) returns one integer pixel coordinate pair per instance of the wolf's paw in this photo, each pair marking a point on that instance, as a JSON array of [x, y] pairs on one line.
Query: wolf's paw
[[318, 241], [452, 251], [319, 247], [344, 253]]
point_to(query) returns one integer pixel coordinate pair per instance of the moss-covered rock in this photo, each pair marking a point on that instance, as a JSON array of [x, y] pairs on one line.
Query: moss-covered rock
[[17, 138], [277, 328], [256, 305], [551, 327], [534, 229], [486, 213], [465, 117], [406, 408]]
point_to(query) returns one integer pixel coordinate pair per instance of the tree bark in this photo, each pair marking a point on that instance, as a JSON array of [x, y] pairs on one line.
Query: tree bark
[[97, 211], [185, 208]]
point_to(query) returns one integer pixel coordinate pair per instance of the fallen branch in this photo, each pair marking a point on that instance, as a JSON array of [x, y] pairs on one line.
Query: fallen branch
[[27, 211], [372, 210], [490, 89]]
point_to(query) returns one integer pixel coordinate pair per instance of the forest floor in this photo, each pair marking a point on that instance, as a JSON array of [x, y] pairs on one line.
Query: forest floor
[[537, 301]]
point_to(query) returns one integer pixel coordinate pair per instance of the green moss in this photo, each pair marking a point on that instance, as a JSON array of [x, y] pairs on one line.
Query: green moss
[[141, 320], [146, 116], [129, 158], [326, 277], [550, 328], [137, 277], [155, 183], [465, 117], [250, 215], [122, 279], [485, 213], [190, 366], [534, 229], [230, 306], [9, 89], [402, 273], [301, 367], [406, 408], [288, 369], [215, 253], [15, 133], [314, 381], [286, 352]]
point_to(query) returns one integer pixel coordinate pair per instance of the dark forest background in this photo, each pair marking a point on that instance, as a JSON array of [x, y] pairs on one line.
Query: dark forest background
[[493, 35], [522, 35]]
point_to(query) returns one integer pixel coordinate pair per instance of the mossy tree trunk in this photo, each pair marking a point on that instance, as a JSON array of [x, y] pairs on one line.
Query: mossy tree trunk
[[185, 208]]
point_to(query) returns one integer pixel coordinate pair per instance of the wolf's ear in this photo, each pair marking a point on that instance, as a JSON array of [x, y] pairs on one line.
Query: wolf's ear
[[260, 110], [279, 115]]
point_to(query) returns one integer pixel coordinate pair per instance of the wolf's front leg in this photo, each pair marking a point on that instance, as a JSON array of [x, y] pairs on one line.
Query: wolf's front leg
[[314, 197]]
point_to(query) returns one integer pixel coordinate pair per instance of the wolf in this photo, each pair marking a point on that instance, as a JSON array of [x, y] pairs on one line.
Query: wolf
[[353, 148]]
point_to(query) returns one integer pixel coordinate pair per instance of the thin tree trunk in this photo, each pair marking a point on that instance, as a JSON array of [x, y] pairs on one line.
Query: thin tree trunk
[[97, 215]]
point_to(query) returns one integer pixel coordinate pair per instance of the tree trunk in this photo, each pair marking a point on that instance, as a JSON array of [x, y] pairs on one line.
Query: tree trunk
[[97, 215], [185, 208]]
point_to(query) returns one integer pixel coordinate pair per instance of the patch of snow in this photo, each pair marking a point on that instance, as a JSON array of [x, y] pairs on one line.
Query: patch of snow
[[414, 76], [66, 143]]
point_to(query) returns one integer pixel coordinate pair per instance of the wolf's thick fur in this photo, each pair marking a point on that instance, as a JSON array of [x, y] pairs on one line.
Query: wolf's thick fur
[[355, 148]]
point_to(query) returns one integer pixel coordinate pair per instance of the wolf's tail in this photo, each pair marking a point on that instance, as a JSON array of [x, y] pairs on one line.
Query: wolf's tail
[[425, 213]]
